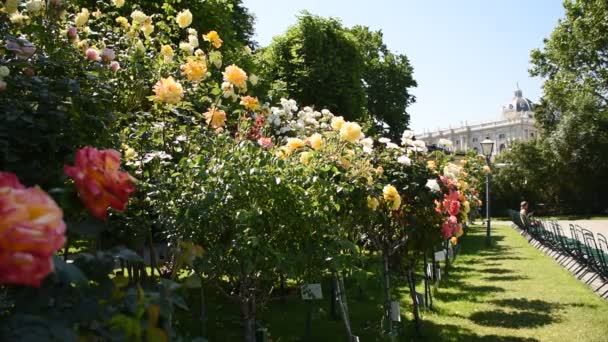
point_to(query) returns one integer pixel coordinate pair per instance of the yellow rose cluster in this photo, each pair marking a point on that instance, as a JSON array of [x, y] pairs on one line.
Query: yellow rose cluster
[[215, 118], [214, 38], [194, 70], [392, 197], [168, 90], [235, 76]]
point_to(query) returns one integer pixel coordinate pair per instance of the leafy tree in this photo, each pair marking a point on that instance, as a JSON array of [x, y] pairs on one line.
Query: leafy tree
[[317, 61], [573, 113], [387, 77]]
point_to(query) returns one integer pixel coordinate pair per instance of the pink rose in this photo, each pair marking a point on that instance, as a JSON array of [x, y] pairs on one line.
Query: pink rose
[[73, 34], [10, 180], [108, 55], [115, 66], [92, 54], [265, 142], [2, 85]]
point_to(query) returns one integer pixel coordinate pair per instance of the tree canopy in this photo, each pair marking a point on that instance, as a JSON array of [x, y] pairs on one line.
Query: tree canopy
[[349, 71], [387, 77], [573, 113]]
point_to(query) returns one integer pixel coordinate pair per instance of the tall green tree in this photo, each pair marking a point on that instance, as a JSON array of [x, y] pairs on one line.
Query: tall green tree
[[574, 109], [573, 61], [387, 77], [573, 113], [317, 61]]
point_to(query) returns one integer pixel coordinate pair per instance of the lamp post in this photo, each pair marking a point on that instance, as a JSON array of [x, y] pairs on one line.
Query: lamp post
[[486, 147]]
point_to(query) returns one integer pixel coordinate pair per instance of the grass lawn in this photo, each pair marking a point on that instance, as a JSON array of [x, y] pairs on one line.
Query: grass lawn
[[509, 292]]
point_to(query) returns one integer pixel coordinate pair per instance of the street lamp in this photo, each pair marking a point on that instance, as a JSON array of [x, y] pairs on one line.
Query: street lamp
[[486, 147]]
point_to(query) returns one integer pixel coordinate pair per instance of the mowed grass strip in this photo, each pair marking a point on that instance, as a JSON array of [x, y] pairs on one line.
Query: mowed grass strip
[[513, 292]]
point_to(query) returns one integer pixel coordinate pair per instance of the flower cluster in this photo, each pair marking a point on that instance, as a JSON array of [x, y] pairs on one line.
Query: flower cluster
[[31, 232]]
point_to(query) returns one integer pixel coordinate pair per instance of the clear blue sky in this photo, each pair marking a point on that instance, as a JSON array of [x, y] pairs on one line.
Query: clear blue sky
[[467, 55]]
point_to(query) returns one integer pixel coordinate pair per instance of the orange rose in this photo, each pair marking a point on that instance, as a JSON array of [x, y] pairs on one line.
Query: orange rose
[[31, 231], [215, 117], [99, 180]]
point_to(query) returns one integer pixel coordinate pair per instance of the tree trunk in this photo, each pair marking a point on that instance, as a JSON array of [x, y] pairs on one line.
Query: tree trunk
[[247, 310], [387, 290], [412, 283], [343, 309], [203, 311]]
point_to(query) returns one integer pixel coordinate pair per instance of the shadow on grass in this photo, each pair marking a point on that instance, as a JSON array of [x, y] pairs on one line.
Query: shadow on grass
[[506, 278], [515, 320], [448, 332], [535, 304], [467, 292]]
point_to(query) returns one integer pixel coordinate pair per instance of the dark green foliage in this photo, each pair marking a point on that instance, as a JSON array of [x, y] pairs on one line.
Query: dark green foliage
[[54, 103], [387, 77], [317, 62]]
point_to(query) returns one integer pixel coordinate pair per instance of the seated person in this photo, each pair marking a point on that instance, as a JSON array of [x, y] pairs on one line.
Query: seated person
[[523, 215]]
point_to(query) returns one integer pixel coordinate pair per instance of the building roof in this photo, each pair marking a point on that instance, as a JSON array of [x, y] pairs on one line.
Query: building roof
[[519, 103]]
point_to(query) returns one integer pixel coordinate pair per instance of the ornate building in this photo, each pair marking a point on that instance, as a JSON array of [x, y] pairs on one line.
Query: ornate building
[[517, 123]]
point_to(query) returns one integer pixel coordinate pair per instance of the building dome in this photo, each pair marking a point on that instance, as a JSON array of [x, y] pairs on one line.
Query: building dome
[[519, 106]]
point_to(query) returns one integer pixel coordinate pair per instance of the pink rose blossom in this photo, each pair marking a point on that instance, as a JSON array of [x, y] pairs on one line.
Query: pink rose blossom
[[92, 54], [2, 85], [73, 33], [265, 142], [115, 66], [108, 55]]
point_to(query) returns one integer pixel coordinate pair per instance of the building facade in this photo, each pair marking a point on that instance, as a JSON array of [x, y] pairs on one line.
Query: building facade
[[517, 123]]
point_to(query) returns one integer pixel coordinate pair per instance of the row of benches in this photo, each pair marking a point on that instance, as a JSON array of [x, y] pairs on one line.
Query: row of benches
[[581, 244]]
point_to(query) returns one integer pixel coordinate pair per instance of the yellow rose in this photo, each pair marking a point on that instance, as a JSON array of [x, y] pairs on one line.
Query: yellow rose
[[294, 144], [453, 241], [250, 103], [345, 163], [81, 18], [431, 164], [167, 52], [147, 28], [118, 3], [138, 17], [372, 203], [305, 157], [315, 141], [184, 18], [351, 132], [466, 208], [215, 117], [213, 38], [123, 22], [392, 197], [194, 70], [236, 76], [168, 90], [337, 122]]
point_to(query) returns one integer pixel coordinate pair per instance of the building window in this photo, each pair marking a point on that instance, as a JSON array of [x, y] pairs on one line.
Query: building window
[[502, 147], [457, 142], [475, 139], [501, 136], [531, 134]]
